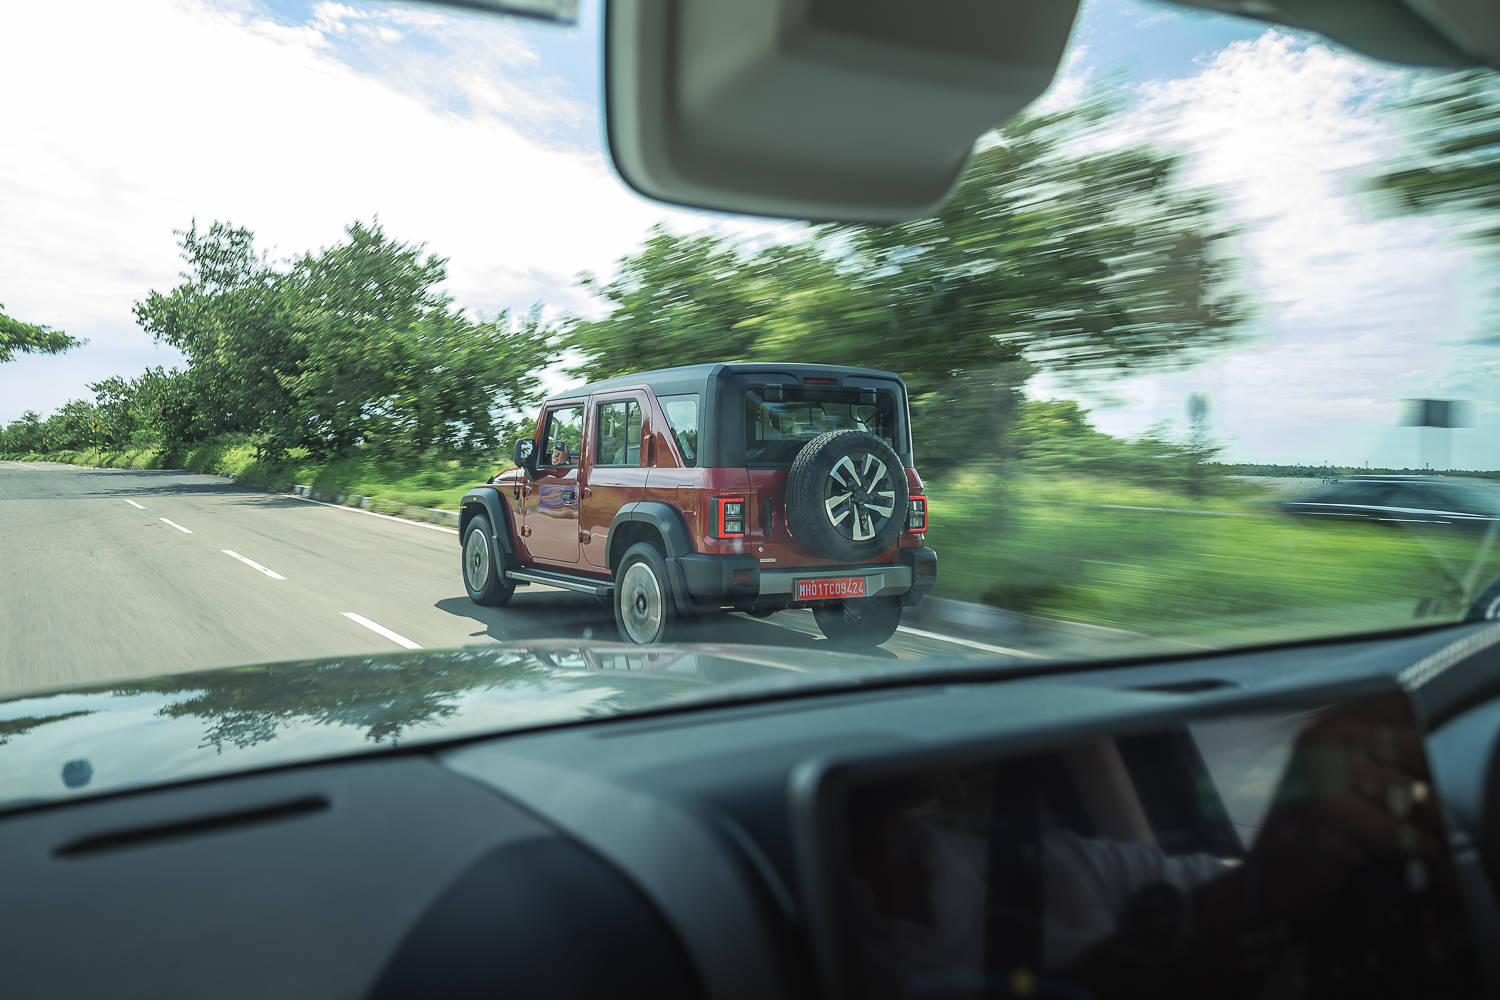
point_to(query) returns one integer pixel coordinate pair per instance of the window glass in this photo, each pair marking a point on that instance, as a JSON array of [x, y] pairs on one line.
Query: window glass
[[564, 437], [682, 417], [619, 433], [775, 430]]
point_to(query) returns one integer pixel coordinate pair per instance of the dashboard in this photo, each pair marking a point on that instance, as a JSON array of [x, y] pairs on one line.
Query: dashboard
[[1316, 819]]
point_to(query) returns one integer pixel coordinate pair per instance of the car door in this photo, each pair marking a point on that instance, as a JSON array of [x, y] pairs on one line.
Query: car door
[[616, 468], [552, 517]]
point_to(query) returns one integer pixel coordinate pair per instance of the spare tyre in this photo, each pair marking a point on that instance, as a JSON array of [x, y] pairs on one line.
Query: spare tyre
[[846, 496]]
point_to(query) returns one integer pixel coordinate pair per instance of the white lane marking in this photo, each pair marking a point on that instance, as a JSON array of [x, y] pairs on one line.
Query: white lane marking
[[399, 640], [971, 643], [174, 524], [253, 564], [1003, 650], [371, 513], [135, 505]]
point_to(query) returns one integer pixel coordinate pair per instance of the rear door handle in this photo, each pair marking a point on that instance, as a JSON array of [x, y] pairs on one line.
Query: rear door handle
[[587, 492]]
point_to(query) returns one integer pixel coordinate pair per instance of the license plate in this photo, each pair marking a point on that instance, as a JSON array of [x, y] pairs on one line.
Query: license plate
[[830, 589]]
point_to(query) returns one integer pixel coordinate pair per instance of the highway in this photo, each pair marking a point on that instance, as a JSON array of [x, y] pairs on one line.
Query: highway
[[113, 573]]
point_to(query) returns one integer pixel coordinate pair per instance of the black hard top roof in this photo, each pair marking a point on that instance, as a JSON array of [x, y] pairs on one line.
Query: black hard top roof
[[694, 378]]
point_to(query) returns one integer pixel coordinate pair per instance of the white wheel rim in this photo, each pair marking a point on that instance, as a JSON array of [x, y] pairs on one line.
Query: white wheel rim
[[477, 560], [641, 603], [860, 497]]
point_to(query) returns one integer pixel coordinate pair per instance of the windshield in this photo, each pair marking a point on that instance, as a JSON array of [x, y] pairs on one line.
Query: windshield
[[287, 288]]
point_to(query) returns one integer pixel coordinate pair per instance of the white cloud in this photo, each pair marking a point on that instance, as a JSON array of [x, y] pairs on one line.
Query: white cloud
[[1357, 312], [124, 122]]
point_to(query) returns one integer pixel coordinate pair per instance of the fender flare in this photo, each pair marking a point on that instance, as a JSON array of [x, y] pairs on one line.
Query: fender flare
[[488, 501], [669, 524], [667, 521]]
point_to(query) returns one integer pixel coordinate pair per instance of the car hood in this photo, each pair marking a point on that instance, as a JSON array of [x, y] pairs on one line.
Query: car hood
[[137, 733]]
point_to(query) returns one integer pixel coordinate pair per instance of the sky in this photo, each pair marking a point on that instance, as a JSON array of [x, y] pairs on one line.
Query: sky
[[481, 137]]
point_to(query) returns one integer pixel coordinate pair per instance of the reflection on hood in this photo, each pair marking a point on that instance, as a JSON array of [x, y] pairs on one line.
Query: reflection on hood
[[142, 732]]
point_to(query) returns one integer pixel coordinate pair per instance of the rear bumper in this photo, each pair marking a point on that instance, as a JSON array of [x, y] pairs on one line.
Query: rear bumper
[[739, 580]]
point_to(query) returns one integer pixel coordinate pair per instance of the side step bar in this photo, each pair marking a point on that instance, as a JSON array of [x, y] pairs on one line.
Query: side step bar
[[577, 584]]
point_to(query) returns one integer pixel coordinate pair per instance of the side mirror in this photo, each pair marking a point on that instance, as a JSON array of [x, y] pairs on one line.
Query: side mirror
[[522, 456]]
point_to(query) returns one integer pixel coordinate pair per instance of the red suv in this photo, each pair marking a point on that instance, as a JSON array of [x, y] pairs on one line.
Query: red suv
[[749, 487]]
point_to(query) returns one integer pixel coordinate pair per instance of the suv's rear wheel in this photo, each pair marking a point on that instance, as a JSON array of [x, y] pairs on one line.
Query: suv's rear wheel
[[644, 610], [484, 578], [864, 621], [846, 496]]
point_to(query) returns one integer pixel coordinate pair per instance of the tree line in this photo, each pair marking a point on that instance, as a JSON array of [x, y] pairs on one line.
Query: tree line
[[1053, 255], [353, 345]]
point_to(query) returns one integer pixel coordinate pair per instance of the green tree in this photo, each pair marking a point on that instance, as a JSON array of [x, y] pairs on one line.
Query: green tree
[[31, 338], [228, 318], [385, 357], [679, 300], [24, 434], [1455, 162], [114, 398], [1056, 436], [1049, 257], [354, 344]]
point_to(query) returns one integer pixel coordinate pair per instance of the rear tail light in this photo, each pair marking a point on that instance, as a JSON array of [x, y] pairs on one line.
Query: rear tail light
[[730, 516], [916, 514]]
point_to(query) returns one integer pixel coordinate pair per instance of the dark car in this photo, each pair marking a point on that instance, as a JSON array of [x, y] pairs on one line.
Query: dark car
[[684, 491], [1473, 504]]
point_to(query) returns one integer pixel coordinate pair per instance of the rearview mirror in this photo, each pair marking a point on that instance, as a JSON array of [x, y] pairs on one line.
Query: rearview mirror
[[867, 110], [521, 455], [852, 110]]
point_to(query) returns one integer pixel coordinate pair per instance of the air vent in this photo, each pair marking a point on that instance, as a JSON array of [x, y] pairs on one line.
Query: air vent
[[219, 822]]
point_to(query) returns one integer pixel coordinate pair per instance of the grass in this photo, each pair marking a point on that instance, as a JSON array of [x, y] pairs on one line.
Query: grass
[[1051, 547]]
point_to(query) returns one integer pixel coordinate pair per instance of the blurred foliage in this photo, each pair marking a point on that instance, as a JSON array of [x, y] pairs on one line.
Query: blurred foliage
[[1054, 437], [1455, 164], [1093, 549], [30, 338], [1049, 256]]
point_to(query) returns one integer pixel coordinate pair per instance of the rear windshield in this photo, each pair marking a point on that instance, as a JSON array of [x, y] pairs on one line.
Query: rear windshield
[[775, 430]]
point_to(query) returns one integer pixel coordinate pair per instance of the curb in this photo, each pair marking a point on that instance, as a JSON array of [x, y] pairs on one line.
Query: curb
[[430, 515]]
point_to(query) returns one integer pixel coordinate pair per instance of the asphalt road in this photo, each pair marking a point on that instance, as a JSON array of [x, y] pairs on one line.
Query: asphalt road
[[109, 573]]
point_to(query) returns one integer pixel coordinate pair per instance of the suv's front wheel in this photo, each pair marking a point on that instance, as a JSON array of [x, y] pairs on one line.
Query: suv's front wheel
[[864, 621], [643, 598], [483, 576]]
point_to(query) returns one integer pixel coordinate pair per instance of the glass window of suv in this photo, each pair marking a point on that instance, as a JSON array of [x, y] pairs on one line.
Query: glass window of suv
[[682, 417], [618, 433], [775, 430], [564, 437]]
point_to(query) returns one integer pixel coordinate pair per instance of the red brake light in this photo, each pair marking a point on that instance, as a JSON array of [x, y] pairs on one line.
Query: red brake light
[[916, 514], [820, 381], [729, 516]]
